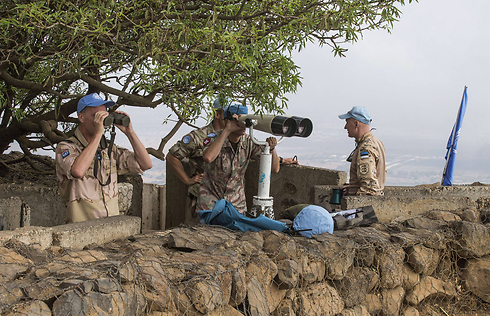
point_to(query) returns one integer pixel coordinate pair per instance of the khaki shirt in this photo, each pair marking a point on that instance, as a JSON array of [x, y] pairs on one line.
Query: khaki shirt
[[224, 178], [85, 197], [367, 169], [189, 151]]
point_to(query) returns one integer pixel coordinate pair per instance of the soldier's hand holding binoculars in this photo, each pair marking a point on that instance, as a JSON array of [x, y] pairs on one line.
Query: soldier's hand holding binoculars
[[272, 141]]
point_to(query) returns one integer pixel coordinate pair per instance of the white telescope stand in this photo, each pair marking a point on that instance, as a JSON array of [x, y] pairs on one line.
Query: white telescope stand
[[262, 202]]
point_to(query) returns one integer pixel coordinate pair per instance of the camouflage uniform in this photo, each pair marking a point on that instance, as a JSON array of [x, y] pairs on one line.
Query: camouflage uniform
[[85, 197], [189, 152], [224, 178], [367, 169]]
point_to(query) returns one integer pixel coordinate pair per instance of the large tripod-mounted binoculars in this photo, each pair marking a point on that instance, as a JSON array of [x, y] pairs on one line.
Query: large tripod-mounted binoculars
[[283, 126], [279, 125]]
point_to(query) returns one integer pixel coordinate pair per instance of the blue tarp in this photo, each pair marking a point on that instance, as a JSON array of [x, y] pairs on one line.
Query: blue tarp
[[225, 214], [452, 143]]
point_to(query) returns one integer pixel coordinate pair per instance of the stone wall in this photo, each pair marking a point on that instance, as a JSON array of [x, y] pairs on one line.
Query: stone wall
[[436, 264]]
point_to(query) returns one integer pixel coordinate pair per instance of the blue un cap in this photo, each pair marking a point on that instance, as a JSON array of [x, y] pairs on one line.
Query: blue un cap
[[217, 104], [93, 100], [359, 113], [236, 108]]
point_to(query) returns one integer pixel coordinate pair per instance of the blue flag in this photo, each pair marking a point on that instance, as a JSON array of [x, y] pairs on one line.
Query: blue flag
[[452, 143]]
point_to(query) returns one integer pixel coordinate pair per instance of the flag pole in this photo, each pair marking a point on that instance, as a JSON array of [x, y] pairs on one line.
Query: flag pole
[[453, 135]]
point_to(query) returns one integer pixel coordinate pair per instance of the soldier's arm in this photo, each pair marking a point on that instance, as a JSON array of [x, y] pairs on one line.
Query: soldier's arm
[[366, 173], [179, 171]]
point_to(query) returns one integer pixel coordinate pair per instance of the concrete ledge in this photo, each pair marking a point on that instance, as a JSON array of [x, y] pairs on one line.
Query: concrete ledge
[[28, 235], [400, 203], [98, 231]]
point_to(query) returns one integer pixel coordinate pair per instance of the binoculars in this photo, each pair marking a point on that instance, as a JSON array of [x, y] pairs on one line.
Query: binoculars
[[117, 119], [278, 125]]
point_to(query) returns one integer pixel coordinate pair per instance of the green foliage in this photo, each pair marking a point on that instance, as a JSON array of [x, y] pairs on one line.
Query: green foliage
[[179, 54]]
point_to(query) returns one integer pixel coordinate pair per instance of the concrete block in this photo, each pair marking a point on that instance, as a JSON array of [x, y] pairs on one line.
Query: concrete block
[[45, 203], [163, 206], [97, 231], [388, 208], [11, 209], [150, 212], [29, 235]]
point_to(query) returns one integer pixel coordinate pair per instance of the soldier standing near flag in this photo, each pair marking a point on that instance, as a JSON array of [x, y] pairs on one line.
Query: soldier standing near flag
[[367, 173]]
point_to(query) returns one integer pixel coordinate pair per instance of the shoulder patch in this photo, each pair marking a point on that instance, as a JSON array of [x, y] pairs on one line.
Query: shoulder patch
[[65, 153], [206, 141], [212, 134], [364, 155], [364, 168], [186, 139]]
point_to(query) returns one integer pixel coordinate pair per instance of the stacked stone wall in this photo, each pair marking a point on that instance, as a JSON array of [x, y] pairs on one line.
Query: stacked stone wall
[[436, 264]]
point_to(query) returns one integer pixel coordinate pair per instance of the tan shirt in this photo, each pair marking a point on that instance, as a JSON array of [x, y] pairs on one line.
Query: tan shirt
[[367, 169], [85, 197]]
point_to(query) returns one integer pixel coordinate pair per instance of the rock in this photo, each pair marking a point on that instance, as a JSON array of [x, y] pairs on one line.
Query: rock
[[199, 237], [285, 308], [70, 303], [182, 302], [206, 294], [107, 285], [34, 308], [358, 310], [158, 291], [274, 295], [84, 256], [409, 277], [411, 311], [476, 277], [392, 301], [287, 274], [238, 287], [472, 239], [443, 215], [319, 299], [373, 304], [390, 261], [11, 264], [337, 252], [10, 293], [469, 214], [279, 246], [422, 259], [225, 311], [429, 286], [262, 269], [430, 238], [257, 298], [254, 238], [354, 286], [311, 268], [425, 223]]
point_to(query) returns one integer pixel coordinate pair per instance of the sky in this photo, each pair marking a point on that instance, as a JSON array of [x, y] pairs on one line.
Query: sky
[[411, 81]]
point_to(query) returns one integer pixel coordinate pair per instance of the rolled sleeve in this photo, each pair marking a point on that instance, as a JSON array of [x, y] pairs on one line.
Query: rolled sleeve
[[126, 162]]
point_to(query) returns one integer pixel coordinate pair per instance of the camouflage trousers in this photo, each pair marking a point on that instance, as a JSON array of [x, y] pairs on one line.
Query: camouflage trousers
[[191, 215]]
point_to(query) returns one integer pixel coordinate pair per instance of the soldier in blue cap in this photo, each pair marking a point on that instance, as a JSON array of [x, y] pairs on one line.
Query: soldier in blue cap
[[87, 167], [227, 157], [188, 150], [367, 170]]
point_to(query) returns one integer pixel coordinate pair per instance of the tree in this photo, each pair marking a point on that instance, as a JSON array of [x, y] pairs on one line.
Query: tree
[[175, 53]]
